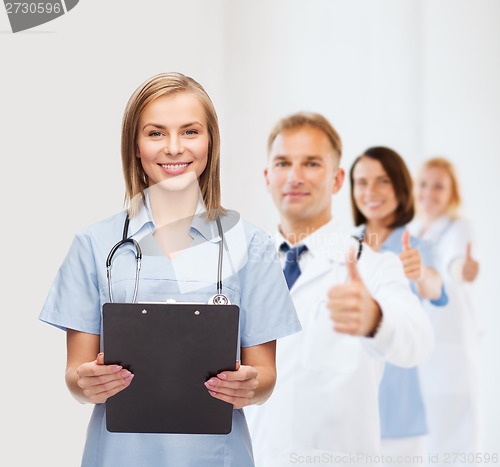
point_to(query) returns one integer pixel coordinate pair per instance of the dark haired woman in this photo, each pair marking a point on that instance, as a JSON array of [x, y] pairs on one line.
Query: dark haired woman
[[382, 204]]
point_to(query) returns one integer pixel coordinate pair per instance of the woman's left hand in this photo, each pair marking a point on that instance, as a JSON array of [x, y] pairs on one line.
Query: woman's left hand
[[235, 387], [412, 262]]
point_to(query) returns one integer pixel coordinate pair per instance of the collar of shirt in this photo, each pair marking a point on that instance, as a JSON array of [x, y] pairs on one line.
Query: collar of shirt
[[394, 242], [330, 241], [142, 223], [201, 226]]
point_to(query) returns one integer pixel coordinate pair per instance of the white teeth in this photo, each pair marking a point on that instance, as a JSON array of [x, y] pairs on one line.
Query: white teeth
[[174, 166]]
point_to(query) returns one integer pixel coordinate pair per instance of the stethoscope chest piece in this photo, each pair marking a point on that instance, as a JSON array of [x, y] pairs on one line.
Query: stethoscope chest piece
[[219, 299]]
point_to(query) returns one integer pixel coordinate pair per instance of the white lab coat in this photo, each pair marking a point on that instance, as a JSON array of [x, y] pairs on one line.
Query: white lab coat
[[325, 403], [450, 378]]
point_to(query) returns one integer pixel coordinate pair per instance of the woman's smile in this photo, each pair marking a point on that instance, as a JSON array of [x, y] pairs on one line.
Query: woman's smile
[[175, 168]]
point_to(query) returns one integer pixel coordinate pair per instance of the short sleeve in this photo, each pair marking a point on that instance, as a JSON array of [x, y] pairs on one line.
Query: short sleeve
[[267, 309], [73, 300]]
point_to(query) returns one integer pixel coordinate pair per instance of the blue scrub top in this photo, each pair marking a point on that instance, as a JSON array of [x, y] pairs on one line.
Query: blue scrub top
[[252, 279], [402, 411]]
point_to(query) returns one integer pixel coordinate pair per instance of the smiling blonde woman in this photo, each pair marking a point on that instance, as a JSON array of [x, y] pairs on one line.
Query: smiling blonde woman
[[450, 380], [171, 163]]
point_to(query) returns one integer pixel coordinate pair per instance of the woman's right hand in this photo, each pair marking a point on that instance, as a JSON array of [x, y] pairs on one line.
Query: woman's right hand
[[410, 257], [99, 381], [427, 280]]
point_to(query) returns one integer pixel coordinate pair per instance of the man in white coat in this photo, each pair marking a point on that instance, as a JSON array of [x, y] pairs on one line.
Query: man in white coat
[[355, 307]]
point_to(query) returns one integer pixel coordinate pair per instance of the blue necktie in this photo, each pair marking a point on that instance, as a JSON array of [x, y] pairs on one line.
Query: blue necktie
[[292, 269]]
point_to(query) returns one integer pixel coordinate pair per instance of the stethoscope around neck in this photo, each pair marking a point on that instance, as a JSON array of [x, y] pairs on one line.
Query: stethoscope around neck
[[218, 299]]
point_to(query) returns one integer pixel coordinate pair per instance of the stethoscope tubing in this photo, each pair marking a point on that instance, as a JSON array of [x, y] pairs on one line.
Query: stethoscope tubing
[[138, 256]]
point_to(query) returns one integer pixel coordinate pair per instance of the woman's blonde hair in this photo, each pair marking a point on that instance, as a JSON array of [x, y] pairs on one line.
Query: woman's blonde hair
[[136, 180], [446, 165]]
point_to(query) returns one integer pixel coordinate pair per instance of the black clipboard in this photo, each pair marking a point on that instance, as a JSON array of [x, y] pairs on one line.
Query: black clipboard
[[172, 349]]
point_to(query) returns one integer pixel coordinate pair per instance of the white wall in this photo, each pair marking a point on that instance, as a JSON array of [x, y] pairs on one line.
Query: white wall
[[461, 120], [420, 76], [355, 62]]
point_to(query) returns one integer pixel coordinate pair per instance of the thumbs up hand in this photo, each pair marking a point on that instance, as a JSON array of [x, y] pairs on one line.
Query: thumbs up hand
[[412, 262], [406, 241], [470, 268], [352, 308]]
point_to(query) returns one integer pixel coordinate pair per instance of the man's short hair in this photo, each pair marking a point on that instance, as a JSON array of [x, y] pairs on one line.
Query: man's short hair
[[306, 119]]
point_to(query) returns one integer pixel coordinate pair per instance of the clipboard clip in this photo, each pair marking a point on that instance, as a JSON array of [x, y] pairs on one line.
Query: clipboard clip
[[217, 299]]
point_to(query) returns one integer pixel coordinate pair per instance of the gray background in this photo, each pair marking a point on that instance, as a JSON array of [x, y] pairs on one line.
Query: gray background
[[420, 76]]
